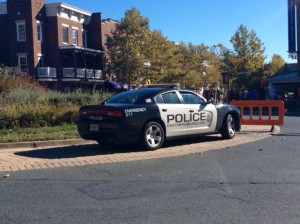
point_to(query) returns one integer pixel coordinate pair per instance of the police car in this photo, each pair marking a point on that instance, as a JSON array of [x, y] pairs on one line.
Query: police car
[[151, 116]]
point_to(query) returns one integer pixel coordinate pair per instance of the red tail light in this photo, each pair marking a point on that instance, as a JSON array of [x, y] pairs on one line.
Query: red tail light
[[104, 112]]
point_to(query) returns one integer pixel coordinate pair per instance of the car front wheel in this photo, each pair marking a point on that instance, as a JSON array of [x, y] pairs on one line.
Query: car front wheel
[[153, 136], [228, 128]]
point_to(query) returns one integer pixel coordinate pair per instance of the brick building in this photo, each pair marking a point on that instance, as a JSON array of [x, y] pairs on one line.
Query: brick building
[[60, 45]]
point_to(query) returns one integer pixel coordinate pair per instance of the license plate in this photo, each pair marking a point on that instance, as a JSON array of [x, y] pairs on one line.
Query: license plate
[[94, 127]]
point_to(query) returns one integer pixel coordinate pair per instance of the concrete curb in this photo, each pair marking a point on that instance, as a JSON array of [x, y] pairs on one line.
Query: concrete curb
[[66, 142], [37, 144]]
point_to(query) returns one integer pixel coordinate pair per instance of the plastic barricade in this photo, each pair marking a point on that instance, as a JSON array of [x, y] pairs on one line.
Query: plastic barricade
[[261, 112]]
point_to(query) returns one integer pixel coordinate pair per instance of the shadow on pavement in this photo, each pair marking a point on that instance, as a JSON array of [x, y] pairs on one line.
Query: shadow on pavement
[[288, 134], [96, 149]]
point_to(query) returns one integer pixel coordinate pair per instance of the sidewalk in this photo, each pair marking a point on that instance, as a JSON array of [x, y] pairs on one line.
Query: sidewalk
[[54, 154], [66, 142]]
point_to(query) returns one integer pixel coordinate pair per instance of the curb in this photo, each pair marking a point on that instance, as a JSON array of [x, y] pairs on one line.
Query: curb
[[36, 144], [66, 142]]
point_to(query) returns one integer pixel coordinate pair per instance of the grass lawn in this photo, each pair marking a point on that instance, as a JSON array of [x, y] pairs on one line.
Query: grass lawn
[[39, 134]]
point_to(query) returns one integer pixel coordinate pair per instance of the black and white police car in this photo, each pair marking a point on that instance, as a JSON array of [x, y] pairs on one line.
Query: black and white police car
[[152, 115]]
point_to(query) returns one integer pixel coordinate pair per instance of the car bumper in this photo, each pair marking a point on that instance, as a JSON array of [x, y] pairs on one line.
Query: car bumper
[[102, 132]]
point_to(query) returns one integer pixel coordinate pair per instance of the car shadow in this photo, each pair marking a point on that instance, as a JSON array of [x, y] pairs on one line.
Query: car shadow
[[287, 134], [75, 151]]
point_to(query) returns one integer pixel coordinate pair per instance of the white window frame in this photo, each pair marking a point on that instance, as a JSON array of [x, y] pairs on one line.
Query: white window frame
[[21, 30], [40, 31], [22, 62], [63, 33], [75, 35]]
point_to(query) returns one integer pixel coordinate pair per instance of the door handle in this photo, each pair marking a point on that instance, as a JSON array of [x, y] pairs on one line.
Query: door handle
[[164, 110], [191, 111]]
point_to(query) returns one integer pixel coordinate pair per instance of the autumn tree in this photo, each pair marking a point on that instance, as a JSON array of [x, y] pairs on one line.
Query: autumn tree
[[126, 46], [247, 56], [277, 65]]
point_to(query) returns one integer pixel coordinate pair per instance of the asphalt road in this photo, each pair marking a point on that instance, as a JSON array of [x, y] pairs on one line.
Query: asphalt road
[[257, 182]]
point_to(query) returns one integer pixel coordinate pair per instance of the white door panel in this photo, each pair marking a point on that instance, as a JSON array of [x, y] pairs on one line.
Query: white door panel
[[173, 115], [204, 119]]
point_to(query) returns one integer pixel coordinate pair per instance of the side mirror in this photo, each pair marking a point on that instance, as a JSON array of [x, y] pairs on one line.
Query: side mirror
[[211, 100]]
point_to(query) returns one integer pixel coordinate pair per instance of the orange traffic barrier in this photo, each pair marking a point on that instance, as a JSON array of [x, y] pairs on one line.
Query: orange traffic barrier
[[261, 112]]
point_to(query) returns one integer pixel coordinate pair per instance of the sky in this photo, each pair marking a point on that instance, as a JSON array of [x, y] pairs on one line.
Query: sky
[[206, 22]]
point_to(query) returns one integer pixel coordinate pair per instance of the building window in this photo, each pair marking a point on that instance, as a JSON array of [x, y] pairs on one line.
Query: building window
[[40, 61], [22, 61], [75, 36], [21, 31], [65, 34], [84, 38], [39, 31]]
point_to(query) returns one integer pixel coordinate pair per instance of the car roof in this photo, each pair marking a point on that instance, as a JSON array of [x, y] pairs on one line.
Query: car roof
[[144, 93]]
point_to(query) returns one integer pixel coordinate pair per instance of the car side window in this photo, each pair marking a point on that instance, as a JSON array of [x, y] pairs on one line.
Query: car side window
[[190, 98], [158, 99], [170, 98]]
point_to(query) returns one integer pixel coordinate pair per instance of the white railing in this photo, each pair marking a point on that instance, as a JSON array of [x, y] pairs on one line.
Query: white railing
[[89, 73], [82, 73], [47, 72], [68, 73], [98, 74]]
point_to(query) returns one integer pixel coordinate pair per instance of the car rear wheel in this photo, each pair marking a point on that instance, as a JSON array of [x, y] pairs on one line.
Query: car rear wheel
[[153, 136], [228, 129]]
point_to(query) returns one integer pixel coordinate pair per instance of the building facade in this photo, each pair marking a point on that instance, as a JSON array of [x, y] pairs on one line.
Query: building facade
[[60, 45]]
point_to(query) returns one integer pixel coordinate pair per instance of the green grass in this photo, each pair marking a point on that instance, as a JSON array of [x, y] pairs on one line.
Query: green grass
[[39, 134]]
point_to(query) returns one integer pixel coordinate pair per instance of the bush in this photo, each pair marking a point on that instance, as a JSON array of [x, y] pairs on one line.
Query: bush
[[25, 104]]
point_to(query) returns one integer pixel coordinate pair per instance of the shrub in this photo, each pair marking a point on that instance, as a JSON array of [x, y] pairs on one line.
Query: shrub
[[17, 81], [24, 103]]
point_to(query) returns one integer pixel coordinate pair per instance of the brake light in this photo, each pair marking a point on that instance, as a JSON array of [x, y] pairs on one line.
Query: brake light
[[104, 112]]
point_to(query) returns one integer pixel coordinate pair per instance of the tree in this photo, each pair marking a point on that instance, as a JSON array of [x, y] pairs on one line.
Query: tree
[[276, 66], [126, 46], [247, 56], [164, 57]]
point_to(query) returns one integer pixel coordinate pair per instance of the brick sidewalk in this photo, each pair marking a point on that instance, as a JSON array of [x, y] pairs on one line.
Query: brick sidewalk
[[17, 159]]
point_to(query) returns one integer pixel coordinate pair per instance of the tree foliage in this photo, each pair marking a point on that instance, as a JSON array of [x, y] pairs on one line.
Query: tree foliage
[[247, 55], [276, 66], [193, 66], [126, 45]]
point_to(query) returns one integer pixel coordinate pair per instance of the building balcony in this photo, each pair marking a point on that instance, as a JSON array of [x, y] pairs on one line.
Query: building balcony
[[47, 74], [69, 74], [81, 73]]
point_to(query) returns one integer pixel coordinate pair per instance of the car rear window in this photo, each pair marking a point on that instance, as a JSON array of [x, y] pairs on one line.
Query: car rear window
[[129, 97]]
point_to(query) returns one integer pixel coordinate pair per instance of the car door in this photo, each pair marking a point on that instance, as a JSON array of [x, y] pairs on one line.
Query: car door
[[172, 113], [202, 116]]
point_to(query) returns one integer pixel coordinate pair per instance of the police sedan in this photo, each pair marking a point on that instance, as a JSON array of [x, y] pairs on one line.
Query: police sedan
[[150, 116]]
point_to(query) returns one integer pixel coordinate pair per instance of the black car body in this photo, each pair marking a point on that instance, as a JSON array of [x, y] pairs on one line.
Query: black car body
[[152, 115]]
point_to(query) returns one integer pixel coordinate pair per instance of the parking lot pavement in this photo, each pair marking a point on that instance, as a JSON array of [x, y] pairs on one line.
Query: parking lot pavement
[[46, 155]]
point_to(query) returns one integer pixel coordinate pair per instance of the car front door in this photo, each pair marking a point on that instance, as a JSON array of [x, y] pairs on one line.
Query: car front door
[[173, 114], [201, 115]]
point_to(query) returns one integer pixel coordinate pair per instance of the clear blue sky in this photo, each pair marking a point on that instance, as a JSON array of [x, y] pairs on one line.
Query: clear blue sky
[[204, 21]]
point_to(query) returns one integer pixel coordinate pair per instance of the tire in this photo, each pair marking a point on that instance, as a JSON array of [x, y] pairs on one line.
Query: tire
[[153, 136], [228, 129]]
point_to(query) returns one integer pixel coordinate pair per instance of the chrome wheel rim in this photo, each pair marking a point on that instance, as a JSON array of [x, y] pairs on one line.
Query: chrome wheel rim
[[231, 125], [154, 136]]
